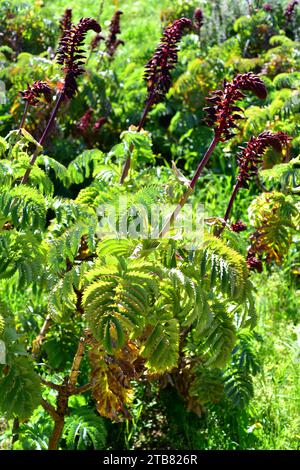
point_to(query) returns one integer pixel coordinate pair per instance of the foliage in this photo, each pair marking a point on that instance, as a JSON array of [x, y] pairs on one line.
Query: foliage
[[84, 430], [144, 319], [20, 389]]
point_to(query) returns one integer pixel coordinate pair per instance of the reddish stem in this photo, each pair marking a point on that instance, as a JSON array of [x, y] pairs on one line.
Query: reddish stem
[[191, 186], [44, 136], [145, 112], [204, 160], [231, 201], [229, 207], [24, 116]]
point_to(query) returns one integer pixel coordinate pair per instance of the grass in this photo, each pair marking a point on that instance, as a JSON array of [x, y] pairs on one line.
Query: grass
[[277, 401]]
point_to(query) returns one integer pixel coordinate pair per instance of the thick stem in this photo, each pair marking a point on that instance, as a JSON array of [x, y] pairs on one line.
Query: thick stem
[[50, 384], [15, 430], [231, 201], [44, 136], [126, 166], [83, 389], [141, 124], [49, 408], [41, 336], [56, 433], [67, 389], [229, 207], [145, 112], [76, 363], [191, 187], [24, 116], [204, 160]]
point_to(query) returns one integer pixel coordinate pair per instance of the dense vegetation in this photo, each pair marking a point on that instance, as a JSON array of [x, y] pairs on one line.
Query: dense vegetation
[[180, 340]]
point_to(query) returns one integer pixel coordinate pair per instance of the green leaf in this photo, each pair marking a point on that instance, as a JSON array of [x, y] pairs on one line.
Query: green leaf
[[162, 346], [20, 389]]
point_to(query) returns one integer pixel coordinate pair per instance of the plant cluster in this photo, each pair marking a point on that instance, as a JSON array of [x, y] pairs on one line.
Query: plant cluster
[[88, 318]]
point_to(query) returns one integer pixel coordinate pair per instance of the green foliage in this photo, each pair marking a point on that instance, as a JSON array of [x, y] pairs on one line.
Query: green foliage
[[275, 217], [287, 174], [32, 31], [3, 146], [85, 430], [2, 324], [61, 172], [63, 300], [152, 312], [24, 207], [60, 347], [117, 299], [225, 267], [161, 346], [21, 255], [65, 247], [83, 166], [207, 387], [20, 390], [239, 388], [219, 338]]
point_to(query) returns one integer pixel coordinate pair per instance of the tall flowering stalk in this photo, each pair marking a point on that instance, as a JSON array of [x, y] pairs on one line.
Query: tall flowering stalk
[[112, 42], [66, 20], [159, 67], [290, 10], [70, 56], [85, 121], [267, 7], [249, 160], [222, 116], [158, 72], [198, 22], [70, 53], [198, 18], [99, 123], [32, 95]]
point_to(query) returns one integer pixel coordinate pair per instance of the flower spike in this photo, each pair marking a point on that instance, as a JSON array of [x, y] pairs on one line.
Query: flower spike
[[251, 156], [290, 10], [66, 20], [70, 53], [112, 42], [223, 112], [198, 18], [35, 91], [158, 68], [238, 226], [85, 120]]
